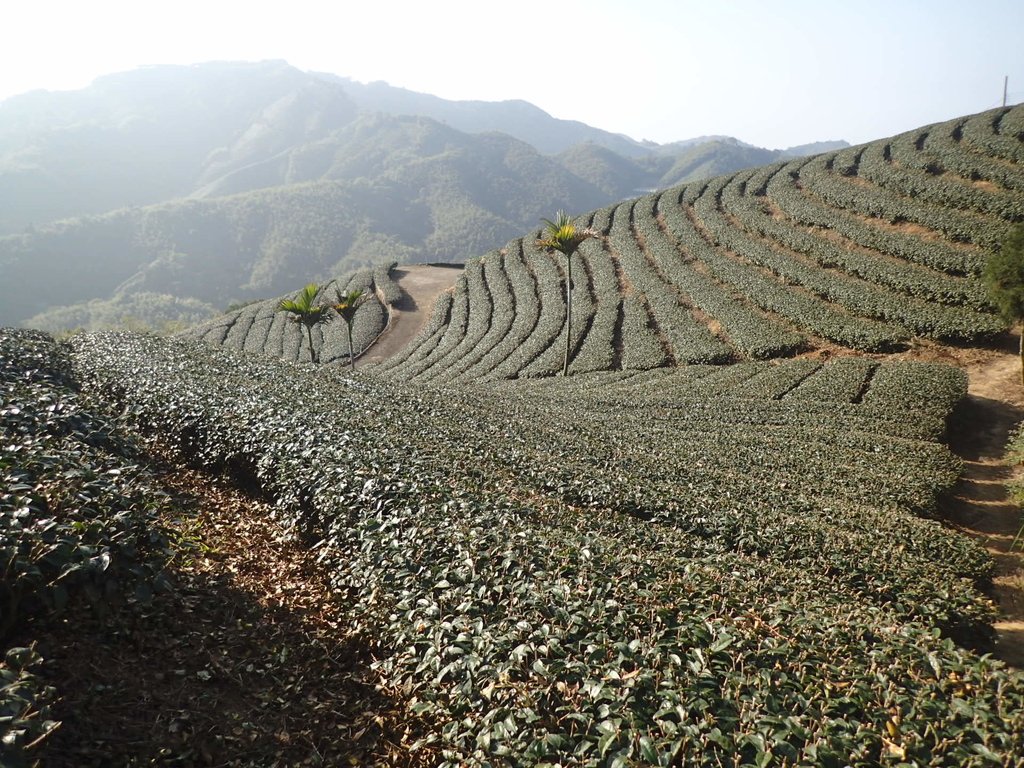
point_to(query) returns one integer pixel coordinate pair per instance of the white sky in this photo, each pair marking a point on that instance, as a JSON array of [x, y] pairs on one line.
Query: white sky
[[775, 73]]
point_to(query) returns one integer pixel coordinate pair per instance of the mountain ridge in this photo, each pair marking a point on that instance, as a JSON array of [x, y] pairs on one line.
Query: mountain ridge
[[142, 176]]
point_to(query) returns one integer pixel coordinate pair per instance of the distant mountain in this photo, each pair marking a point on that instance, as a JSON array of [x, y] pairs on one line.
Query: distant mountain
[[204, 185], [390, 188], [520, 119], [152, 135]]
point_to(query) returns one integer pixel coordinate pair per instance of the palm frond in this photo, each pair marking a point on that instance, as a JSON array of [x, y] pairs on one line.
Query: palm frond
[[301, 303], [349, 302], [302, 309], [563, 235]]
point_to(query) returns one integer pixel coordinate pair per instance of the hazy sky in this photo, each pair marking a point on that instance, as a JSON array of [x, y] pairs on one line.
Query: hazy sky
[[775, 73]]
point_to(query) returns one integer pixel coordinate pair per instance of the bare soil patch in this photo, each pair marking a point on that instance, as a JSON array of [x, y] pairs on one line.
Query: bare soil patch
[[984, 184], [421, 285], [907, 228]]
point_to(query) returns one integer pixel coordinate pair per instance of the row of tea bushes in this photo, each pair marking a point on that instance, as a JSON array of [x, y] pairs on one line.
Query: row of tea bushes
[[832, 178], [495, 326], [885, 163], [930, 288], [678, 249], [263, 329], [939, 149], [479, 319], [764, 288], [690, 340], [597, 351], [78, 520], [555, 571], [785, 190], [867, 248], [996, 133]]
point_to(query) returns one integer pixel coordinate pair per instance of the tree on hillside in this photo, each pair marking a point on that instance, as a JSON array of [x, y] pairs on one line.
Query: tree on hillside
[[565, 237], [346, 308], [1004, 278], [304, 311]]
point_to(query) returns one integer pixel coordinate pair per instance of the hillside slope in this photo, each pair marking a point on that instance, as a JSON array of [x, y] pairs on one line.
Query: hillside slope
[[385, 189], [657, 559], [299, 176], [152, 134], [649, 567], [871, 248], [166, 132]]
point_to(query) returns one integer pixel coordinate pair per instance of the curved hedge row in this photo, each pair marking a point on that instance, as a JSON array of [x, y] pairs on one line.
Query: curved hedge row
[[616, 568], [785, 190], [867, 248], [261, 328], [864, 286]]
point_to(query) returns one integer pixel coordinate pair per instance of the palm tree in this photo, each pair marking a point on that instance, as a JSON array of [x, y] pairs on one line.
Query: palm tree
[[308, 314], [346, 308], [565, 237]]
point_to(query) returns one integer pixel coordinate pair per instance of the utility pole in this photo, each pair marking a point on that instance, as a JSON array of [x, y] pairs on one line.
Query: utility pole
[[1006, 82]]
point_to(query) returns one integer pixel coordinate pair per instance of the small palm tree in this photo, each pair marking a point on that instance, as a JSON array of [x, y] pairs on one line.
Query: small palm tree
[[304, 311], [565, 237], [346, 308]]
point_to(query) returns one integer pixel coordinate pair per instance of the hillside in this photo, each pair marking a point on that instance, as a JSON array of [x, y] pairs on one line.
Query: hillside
[[722, 539], [188, 189], [442, 198], [875, 248], [150, 135], [677, 558], [161, 133], [517, 118]]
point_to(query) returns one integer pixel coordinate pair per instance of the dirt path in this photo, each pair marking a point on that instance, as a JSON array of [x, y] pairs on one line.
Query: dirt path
[[980, 504], [422, 284]]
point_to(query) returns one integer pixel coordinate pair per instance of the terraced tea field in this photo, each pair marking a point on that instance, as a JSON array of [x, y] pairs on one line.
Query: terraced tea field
[[717, 542], [260, 328], [688, 564], [870, 248]]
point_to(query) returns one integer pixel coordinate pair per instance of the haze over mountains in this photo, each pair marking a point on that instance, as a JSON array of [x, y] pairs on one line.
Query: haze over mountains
[[168, 193]]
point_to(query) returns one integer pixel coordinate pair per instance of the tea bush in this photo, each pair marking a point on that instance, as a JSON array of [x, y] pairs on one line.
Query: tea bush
[[78, 518], [689, 566]]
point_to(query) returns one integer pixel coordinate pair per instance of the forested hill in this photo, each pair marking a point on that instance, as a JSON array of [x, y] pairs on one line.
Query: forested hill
[[159, 133], [406, 189], [169, 193]]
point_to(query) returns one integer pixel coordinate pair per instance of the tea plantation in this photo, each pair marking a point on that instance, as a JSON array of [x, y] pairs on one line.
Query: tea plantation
[[867, 248], [77, 519], [702, 547], [704, 565], [259, 328]]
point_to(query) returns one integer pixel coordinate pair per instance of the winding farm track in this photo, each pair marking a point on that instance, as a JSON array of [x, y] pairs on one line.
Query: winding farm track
[[421, 285], [980, 505]]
